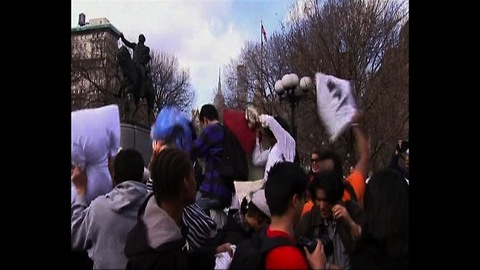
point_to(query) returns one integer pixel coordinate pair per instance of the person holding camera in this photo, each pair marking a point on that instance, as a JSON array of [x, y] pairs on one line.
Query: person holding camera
[[401, 151], [285, 192], [334, 222]]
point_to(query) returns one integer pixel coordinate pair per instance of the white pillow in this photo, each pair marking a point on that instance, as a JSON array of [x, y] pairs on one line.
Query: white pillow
[[335, 104], [95, 136]]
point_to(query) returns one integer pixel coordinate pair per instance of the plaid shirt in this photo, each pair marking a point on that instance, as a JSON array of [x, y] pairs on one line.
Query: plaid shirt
[[209, 145]]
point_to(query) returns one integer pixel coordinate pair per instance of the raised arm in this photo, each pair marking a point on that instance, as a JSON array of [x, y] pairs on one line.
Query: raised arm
[[363, 151], [81, 218], [259, 155], [284, 140], [127, 43]]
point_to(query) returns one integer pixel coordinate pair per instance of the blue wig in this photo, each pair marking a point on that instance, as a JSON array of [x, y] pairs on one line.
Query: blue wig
[[171, 126]]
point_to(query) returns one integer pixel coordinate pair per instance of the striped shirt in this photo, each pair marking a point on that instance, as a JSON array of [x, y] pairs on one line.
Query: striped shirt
[[199, 224]]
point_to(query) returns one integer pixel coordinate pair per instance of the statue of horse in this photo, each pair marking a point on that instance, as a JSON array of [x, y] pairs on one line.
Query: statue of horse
[[131, 83]]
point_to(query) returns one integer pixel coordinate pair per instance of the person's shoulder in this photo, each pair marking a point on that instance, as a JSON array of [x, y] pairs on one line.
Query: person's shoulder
[[290, 250], [356, 179], [286, 257], [354, 176], [353, 205], [214, 127]]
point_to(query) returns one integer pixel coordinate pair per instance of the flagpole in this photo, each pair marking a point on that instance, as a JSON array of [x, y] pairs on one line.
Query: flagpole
[[261, 55]]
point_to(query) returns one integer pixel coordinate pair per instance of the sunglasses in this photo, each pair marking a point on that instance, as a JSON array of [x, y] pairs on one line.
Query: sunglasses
[[314, 160]]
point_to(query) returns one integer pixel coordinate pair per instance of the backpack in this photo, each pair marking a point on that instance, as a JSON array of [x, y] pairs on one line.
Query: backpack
[[251, 253], [233, 163]]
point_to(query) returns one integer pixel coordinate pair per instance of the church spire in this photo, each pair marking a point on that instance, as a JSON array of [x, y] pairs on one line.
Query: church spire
[[219, 89], [219, 99]]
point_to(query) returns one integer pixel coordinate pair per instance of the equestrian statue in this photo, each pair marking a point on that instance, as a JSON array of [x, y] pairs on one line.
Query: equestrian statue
[[135, 75]]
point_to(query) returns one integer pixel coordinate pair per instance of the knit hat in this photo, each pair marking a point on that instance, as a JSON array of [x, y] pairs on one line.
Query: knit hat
[[258, 199]]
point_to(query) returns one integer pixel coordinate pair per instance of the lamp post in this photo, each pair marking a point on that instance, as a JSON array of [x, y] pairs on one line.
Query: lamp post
[[286, 89]]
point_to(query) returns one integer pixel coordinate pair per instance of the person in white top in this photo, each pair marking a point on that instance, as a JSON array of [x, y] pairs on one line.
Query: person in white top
[[275, 131], [283, 146], [244, 189], [260, 153]]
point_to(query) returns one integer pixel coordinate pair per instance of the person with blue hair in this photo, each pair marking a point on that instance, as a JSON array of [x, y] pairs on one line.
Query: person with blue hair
[[173, 129], [172, 125]]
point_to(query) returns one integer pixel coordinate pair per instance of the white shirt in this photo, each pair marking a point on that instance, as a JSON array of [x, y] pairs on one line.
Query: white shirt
[[284, 148], [259, 156]]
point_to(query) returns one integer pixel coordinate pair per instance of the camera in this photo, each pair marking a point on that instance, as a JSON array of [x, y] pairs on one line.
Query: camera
[[312, 244], [403, 147]]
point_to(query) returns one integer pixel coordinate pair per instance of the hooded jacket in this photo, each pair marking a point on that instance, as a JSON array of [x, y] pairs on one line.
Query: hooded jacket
[[155, 242], [102, 227], [313, 219]]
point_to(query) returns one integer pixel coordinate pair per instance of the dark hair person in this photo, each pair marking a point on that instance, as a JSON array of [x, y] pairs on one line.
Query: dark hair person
[[384, 241]]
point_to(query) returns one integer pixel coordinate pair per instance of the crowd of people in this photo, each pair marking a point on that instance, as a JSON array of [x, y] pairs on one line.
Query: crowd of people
[[171, 213]]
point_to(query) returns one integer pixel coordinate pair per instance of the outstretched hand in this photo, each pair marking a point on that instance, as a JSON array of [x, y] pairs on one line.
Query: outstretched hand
[[227, 247], [158, 146]]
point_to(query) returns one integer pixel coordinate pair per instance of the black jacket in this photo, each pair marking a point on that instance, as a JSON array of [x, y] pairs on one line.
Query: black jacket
[[308, 224], [232, 232], [370, 254]]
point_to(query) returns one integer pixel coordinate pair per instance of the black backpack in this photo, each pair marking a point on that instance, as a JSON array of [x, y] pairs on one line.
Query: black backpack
[[233, 163], [251, 253]]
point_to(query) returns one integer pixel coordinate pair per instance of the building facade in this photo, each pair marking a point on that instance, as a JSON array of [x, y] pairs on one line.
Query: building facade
[[94, 75]]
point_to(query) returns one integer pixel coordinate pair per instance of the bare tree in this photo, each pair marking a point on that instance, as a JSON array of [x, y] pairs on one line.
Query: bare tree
[[171, 83], [94, 77], [350, 39]]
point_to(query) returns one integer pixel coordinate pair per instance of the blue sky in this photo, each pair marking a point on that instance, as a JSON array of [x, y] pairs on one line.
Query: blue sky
[[203, 34]]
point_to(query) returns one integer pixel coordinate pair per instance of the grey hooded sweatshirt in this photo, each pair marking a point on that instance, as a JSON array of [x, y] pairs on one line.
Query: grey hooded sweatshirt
[[102, 227], [156, 241]]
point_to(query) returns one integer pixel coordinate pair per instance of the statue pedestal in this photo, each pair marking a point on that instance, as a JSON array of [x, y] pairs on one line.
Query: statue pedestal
[[138, 138]]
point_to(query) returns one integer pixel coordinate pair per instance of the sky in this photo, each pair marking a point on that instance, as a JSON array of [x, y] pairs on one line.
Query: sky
[[204, 35]]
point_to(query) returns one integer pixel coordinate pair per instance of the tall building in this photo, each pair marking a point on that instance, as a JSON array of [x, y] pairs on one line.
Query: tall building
[[219, 99], [94, 46]]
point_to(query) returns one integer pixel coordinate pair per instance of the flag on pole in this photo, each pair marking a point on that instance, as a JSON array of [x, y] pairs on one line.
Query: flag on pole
[[264, 33]]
